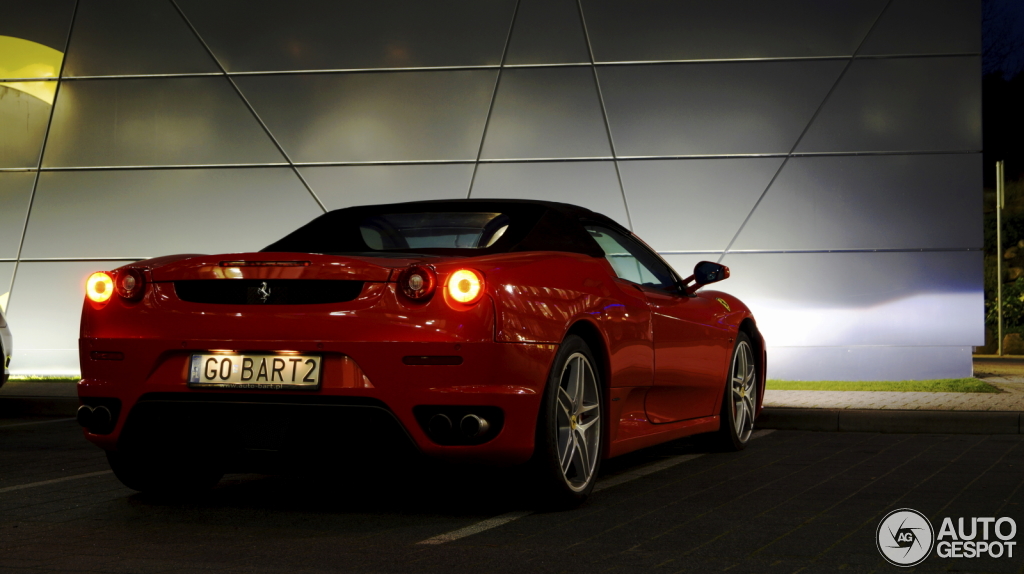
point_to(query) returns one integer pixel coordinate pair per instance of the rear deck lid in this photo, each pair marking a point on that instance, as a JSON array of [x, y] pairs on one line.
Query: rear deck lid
[[279, 266]]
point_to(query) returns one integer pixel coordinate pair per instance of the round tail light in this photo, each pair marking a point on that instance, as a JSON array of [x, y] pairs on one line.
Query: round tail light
[[130, 284], [417, 282], [465, 286], [99, 287]]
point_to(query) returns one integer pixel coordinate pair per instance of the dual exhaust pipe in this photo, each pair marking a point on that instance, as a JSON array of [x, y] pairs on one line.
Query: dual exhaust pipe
[[471, 426], [97, 420]]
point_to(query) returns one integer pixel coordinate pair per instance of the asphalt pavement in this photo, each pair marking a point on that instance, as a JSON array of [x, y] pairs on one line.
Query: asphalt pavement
[[793, 501]]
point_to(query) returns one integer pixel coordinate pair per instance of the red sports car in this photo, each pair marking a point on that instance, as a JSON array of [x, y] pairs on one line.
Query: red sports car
[[493, 331]]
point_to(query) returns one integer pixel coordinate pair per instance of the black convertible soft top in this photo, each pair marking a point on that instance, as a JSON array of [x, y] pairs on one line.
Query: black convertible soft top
[[533, 226]]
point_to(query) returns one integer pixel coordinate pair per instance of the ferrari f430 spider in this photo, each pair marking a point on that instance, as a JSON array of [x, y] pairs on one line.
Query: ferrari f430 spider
[[493, 331]]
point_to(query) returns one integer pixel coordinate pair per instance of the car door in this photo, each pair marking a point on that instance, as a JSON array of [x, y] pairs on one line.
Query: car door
[[688, 358]]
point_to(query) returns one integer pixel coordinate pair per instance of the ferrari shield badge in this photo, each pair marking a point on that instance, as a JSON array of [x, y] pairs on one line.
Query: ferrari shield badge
[[724, 304]]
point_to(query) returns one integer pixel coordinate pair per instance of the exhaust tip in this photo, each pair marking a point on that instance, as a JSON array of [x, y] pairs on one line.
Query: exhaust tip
[[473, 426], [101, 418], [440, 425], [84, 416]]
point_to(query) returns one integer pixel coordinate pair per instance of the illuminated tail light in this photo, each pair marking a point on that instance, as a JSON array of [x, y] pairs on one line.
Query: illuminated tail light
[[99, 287], [417, 282], [130, 284], [465, 286]]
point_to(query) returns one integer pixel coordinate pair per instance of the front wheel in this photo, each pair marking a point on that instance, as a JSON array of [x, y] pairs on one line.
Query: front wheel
[[569, 434], [739, 405]]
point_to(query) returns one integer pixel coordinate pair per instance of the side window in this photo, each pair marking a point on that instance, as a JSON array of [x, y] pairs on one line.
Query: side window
[[631, 260]]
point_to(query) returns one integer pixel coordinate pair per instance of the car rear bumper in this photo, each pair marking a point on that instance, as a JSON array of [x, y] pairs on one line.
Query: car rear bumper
[[155, 405]]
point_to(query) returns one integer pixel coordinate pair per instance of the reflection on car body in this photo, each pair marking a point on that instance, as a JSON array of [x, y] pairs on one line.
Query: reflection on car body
[[492, 331]]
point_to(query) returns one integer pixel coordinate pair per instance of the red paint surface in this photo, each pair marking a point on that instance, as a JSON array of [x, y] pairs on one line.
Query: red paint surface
[[508, 339]]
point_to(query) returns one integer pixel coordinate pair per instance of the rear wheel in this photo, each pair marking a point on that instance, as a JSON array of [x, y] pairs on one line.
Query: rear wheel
[[739, 405], [569, 434], [166, 475]]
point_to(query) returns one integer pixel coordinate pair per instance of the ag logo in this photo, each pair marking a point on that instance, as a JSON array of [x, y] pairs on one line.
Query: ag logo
[[905, 537], [724, 304]]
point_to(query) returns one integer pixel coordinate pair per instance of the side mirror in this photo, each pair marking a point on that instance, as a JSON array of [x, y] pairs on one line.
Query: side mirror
[[707, 272], [704, 273]]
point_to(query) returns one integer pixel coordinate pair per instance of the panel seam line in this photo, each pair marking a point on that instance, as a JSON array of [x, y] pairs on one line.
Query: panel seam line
[[807, 127], [39, 161], [252, 110], [604, 113], [494, 96]]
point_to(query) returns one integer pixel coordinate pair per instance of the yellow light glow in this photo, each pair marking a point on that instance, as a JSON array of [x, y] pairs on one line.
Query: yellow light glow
[[21, 58], [465, 285], [99, 287]]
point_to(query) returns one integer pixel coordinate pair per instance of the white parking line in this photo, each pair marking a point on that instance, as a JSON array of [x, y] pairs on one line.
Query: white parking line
[[643, 471], [475, 528], [36, 423], [54, 481], [601, 485]]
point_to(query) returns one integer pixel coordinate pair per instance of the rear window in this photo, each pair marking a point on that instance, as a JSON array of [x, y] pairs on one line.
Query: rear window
[[441, 230]]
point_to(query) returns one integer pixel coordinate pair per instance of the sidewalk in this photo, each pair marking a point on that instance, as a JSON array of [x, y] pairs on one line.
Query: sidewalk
[[969, 413], [863, 411]]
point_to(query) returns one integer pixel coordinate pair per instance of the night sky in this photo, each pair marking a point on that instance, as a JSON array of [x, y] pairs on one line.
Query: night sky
[[1003, 87], [1003, 37]]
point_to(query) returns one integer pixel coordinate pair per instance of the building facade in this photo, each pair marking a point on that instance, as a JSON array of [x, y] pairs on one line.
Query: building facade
[[827, 152]]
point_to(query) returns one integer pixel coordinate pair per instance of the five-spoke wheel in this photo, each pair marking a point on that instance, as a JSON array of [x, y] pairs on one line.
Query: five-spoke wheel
[[569, 428], [579, 422], [739, 406]]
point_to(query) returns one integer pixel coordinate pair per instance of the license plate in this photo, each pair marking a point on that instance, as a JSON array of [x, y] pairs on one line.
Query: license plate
[[255, 371]]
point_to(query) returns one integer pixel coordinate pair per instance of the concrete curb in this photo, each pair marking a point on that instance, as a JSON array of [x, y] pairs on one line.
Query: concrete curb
[[892, 421], [49, 406]]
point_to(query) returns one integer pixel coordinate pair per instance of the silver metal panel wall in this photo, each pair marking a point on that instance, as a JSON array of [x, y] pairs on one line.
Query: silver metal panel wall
[[902, 104], [6, 272], [45, 301], [868, 202], [713, 108], [392, 116], [546, 113], [651, 30], [326, 35], [22, 122], [147, 213], [154, 121], [829, 152], [15, 190], [694, 204], [897, 298], [150, 38], [340, 186], [590, 184], [547, 32], [926, 27]]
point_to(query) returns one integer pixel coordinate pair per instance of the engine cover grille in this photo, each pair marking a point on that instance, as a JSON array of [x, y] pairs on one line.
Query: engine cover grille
[[267, 292]]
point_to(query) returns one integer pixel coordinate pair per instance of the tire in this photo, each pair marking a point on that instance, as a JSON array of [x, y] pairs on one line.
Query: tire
[[164, 475], [569, 434], [739, 403]]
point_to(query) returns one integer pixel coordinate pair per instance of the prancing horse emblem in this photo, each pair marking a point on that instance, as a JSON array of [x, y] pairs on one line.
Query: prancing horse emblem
[[264, 292]]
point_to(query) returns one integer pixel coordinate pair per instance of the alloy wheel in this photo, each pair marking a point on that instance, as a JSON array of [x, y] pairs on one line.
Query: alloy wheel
[[744, 391], [579, 422]]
